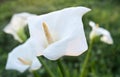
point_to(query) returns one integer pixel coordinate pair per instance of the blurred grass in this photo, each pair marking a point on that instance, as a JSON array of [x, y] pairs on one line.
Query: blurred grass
[[105, 59]]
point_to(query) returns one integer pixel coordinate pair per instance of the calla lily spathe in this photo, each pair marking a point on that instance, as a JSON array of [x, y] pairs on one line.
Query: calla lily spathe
[[59, 33], [22, 58], [98, 31], [17, 24]]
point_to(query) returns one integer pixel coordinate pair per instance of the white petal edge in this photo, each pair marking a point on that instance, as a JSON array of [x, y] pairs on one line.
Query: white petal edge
[[107, 39], [35, 64], [92, 24]]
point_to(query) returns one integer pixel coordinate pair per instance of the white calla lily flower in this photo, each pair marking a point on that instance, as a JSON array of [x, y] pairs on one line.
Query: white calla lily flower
[[22, 58], [59, 33], [16, 26], [98, 31]]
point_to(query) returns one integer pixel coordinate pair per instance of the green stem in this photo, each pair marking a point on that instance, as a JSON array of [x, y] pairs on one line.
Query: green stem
[[93, 72], [84, 65], [35, 74], [46, 67], [62, 68]]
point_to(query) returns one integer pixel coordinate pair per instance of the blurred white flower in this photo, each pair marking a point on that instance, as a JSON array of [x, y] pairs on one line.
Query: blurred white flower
[[98, 31], [58, 33], [16, 26], [22, 58]]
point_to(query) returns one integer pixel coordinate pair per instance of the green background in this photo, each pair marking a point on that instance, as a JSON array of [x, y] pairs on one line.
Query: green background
[[105, 59]]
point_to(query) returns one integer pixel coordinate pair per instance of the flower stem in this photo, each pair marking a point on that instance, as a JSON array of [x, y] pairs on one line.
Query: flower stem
[[35, 74], [62, 68], [84, 65], [46, 67]]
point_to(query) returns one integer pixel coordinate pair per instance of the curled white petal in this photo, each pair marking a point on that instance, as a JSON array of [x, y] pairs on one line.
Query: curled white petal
[[98, 31], [66, 27], [92, 24], [14, 64], [106, 37], [18, 21], [57, 49], [22, 58]]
